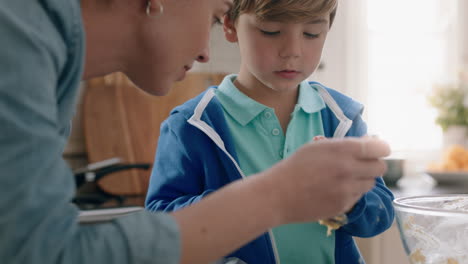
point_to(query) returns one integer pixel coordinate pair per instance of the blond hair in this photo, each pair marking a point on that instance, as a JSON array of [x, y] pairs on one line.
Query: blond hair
[[284, 10]]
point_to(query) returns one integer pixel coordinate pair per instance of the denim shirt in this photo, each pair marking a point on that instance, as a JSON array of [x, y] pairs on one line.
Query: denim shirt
[[41, 63]]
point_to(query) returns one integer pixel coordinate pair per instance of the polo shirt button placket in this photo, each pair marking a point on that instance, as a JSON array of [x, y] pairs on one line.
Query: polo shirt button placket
[[275, 132]]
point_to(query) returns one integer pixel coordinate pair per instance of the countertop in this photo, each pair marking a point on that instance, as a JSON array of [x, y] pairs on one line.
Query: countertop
[[436, 190]]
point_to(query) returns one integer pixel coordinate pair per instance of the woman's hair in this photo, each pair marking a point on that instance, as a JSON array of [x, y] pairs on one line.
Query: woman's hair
[[284, 10]]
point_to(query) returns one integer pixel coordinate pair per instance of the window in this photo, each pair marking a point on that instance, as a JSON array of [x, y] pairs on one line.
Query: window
[[411, 46], [395, 52]]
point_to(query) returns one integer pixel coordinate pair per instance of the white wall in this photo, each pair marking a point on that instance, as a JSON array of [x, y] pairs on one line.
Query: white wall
[[224, 56], [463, 30]]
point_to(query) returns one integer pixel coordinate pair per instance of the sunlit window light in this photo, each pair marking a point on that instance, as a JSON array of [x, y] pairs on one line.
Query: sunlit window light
[[410, 47]]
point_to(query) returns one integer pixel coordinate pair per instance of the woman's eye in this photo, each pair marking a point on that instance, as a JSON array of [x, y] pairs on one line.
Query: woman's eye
[[269, 33], [217, 21], [310, 35]]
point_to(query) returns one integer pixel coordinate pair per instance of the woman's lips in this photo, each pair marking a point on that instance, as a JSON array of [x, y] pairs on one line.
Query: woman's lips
[[183, 73], [288, 74]]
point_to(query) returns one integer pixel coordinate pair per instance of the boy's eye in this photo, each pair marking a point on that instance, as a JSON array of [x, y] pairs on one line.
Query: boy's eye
[[310, 35], [269, 33]]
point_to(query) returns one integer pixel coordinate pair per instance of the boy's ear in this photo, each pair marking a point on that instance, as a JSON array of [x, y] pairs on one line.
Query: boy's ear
[[229, 29]]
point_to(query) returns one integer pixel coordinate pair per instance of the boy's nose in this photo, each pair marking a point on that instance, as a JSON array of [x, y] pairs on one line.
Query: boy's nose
[[292, 48]]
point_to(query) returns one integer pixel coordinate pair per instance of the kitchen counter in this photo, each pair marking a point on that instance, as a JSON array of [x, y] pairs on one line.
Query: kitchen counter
[[438, 189]]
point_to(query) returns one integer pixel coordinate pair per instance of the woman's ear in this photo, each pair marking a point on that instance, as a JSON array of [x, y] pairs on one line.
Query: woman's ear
[[154, 8], [229, 29]]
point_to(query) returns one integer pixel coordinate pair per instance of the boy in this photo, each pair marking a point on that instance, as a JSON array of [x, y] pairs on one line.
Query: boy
[[260, 116]]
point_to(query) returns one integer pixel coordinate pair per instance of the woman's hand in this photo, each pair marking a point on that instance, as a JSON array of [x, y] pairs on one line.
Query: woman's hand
[[325, 178], [321, 180]]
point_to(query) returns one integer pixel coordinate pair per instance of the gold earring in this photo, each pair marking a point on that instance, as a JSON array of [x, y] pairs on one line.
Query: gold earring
[[148, 9]]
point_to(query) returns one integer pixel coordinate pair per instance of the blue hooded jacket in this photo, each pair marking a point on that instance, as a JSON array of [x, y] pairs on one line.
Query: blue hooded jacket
[[196, 156]]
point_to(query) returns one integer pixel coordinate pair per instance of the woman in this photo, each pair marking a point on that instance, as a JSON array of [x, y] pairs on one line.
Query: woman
[[42, 60]]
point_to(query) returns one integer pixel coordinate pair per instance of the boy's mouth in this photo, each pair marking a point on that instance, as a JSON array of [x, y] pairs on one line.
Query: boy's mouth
[[288, 74]]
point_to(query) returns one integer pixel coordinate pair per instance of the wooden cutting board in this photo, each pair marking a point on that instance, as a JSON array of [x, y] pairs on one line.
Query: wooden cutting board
[[119, 120]]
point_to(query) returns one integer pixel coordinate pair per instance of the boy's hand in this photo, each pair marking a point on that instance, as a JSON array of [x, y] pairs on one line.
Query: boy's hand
[[317, 138], [325, 178]]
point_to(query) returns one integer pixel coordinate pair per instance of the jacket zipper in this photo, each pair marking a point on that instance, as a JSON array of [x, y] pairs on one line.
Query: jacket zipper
[[196, 121]]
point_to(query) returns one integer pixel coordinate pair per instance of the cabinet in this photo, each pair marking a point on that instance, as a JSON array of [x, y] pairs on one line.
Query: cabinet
[[385, 248], [115, 119]]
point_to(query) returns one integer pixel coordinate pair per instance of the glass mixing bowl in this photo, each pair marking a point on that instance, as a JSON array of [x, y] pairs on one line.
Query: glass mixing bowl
[[434, 229]]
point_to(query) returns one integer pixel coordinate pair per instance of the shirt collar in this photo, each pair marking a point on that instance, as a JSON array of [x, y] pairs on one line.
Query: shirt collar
[[309, 99], [244, 109], [241, 107]]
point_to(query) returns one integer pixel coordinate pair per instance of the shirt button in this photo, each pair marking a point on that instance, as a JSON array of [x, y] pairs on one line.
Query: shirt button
[[267, 115], [275, 132]]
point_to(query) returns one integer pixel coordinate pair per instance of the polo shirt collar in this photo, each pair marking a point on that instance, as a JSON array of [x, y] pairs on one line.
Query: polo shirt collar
[[241, 107], [309, 99], [244, 109]]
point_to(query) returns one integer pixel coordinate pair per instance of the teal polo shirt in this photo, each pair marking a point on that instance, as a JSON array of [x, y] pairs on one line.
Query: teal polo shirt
[[260, 143]]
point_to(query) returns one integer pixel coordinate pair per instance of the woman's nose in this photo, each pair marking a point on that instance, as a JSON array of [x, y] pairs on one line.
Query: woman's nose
[[204, 56]]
